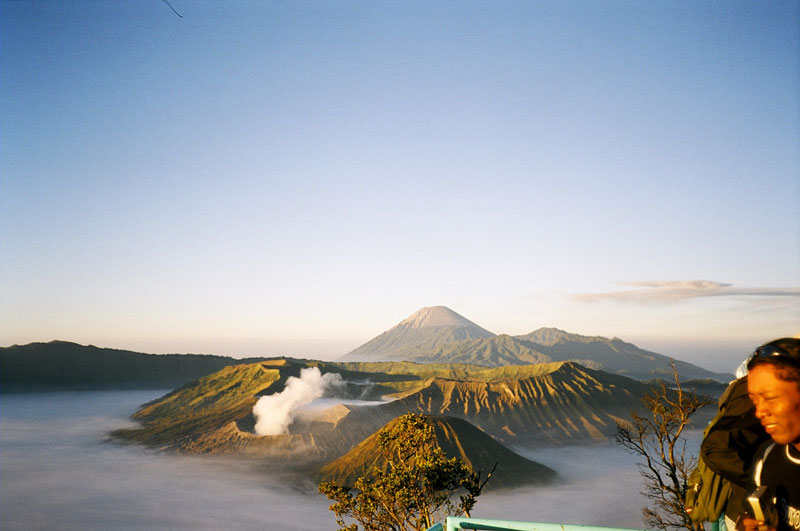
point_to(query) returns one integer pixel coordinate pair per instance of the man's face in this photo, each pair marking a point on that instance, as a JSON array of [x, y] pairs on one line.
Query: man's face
[[777, 404]]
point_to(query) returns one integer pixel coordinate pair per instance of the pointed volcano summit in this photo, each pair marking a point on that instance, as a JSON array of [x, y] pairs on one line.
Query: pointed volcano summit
[[426, 329], [432, 316]]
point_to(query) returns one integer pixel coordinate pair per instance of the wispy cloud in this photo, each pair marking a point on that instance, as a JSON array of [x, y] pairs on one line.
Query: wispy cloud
[[671, 291]]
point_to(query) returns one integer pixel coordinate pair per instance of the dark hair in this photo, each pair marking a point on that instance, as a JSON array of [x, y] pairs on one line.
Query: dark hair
[[783, 354]]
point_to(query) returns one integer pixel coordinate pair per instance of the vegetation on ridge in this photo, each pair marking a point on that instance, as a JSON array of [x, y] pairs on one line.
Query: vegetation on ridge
[[178, 419], [555, 403], [457, 438], [412, 489]]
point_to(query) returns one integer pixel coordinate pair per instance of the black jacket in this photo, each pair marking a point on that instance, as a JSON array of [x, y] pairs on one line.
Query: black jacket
[[731, 444]]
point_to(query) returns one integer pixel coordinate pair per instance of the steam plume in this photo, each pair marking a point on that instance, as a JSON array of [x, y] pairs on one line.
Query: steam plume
[[274, 413]]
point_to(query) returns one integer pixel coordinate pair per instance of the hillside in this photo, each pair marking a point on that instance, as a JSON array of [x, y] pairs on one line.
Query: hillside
[[612, 355], [440, 335], [214, 415], [426, 329], [554, 404], [65, 365], [494, 351], [558, 403], [433, 335], [198, 411], [457, 438]]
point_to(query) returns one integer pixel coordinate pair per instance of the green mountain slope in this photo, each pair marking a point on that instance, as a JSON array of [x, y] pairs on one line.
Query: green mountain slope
[[426, 329], [612, 355], [493, 351], [554, 403], [558, 403], [440, 335], [200, 410], [457, 438]]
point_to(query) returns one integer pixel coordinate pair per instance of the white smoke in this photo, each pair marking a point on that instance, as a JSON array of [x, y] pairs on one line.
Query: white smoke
[[274, 413]]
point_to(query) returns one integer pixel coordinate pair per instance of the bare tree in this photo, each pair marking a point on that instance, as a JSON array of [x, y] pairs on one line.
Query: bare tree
[[656, 437]]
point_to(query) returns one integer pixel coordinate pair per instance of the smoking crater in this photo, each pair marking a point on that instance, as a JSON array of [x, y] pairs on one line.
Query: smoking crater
[[274, 413]]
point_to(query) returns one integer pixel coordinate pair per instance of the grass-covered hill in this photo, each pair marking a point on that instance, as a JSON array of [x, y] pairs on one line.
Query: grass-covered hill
[[190, 417], [214, 413], [556, 403], [481, 413], [63, 365], [457, 438]]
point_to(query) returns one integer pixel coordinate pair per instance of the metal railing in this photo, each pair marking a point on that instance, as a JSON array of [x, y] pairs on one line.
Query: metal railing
[[455, 523]]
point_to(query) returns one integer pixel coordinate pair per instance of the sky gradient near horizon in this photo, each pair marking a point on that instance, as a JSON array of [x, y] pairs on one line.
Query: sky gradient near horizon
[[294, 178]]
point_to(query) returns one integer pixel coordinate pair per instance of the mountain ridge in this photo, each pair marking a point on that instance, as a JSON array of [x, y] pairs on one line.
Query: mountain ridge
[[553, 403], [426, 328], [563, 402], [457, 438], [434, 334], [550, 404], [59, 365], [614, 355], [421, 338]]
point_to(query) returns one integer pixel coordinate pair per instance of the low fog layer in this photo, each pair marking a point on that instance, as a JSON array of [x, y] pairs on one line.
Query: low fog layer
[[599, 486], [58, 472]]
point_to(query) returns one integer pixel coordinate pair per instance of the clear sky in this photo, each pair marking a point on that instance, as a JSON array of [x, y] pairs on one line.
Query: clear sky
[[294, 178]]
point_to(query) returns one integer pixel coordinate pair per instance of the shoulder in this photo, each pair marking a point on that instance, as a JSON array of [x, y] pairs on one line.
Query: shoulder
[[735, 389], [735, 399]]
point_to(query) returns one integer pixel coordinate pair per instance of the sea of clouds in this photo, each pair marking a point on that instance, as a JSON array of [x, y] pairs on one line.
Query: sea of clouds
[[59, 471]]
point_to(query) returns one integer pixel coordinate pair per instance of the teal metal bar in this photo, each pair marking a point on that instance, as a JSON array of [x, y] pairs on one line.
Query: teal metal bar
[[454, 523]]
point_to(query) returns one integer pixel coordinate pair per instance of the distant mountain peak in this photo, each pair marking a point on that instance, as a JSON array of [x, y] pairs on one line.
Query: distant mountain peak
[[436, 316], [428, 328], [551, 336]]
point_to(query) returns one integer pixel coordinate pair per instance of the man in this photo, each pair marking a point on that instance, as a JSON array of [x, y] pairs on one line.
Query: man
[[773, 384]]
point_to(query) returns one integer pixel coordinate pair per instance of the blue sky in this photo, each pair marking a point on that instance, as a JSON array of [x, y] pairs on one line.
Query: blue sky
[[265, 178]]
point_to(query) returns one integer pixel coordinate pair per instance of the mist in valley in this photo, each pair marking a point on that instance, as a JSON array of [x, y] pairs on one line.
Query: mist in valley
[[58, 470]]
